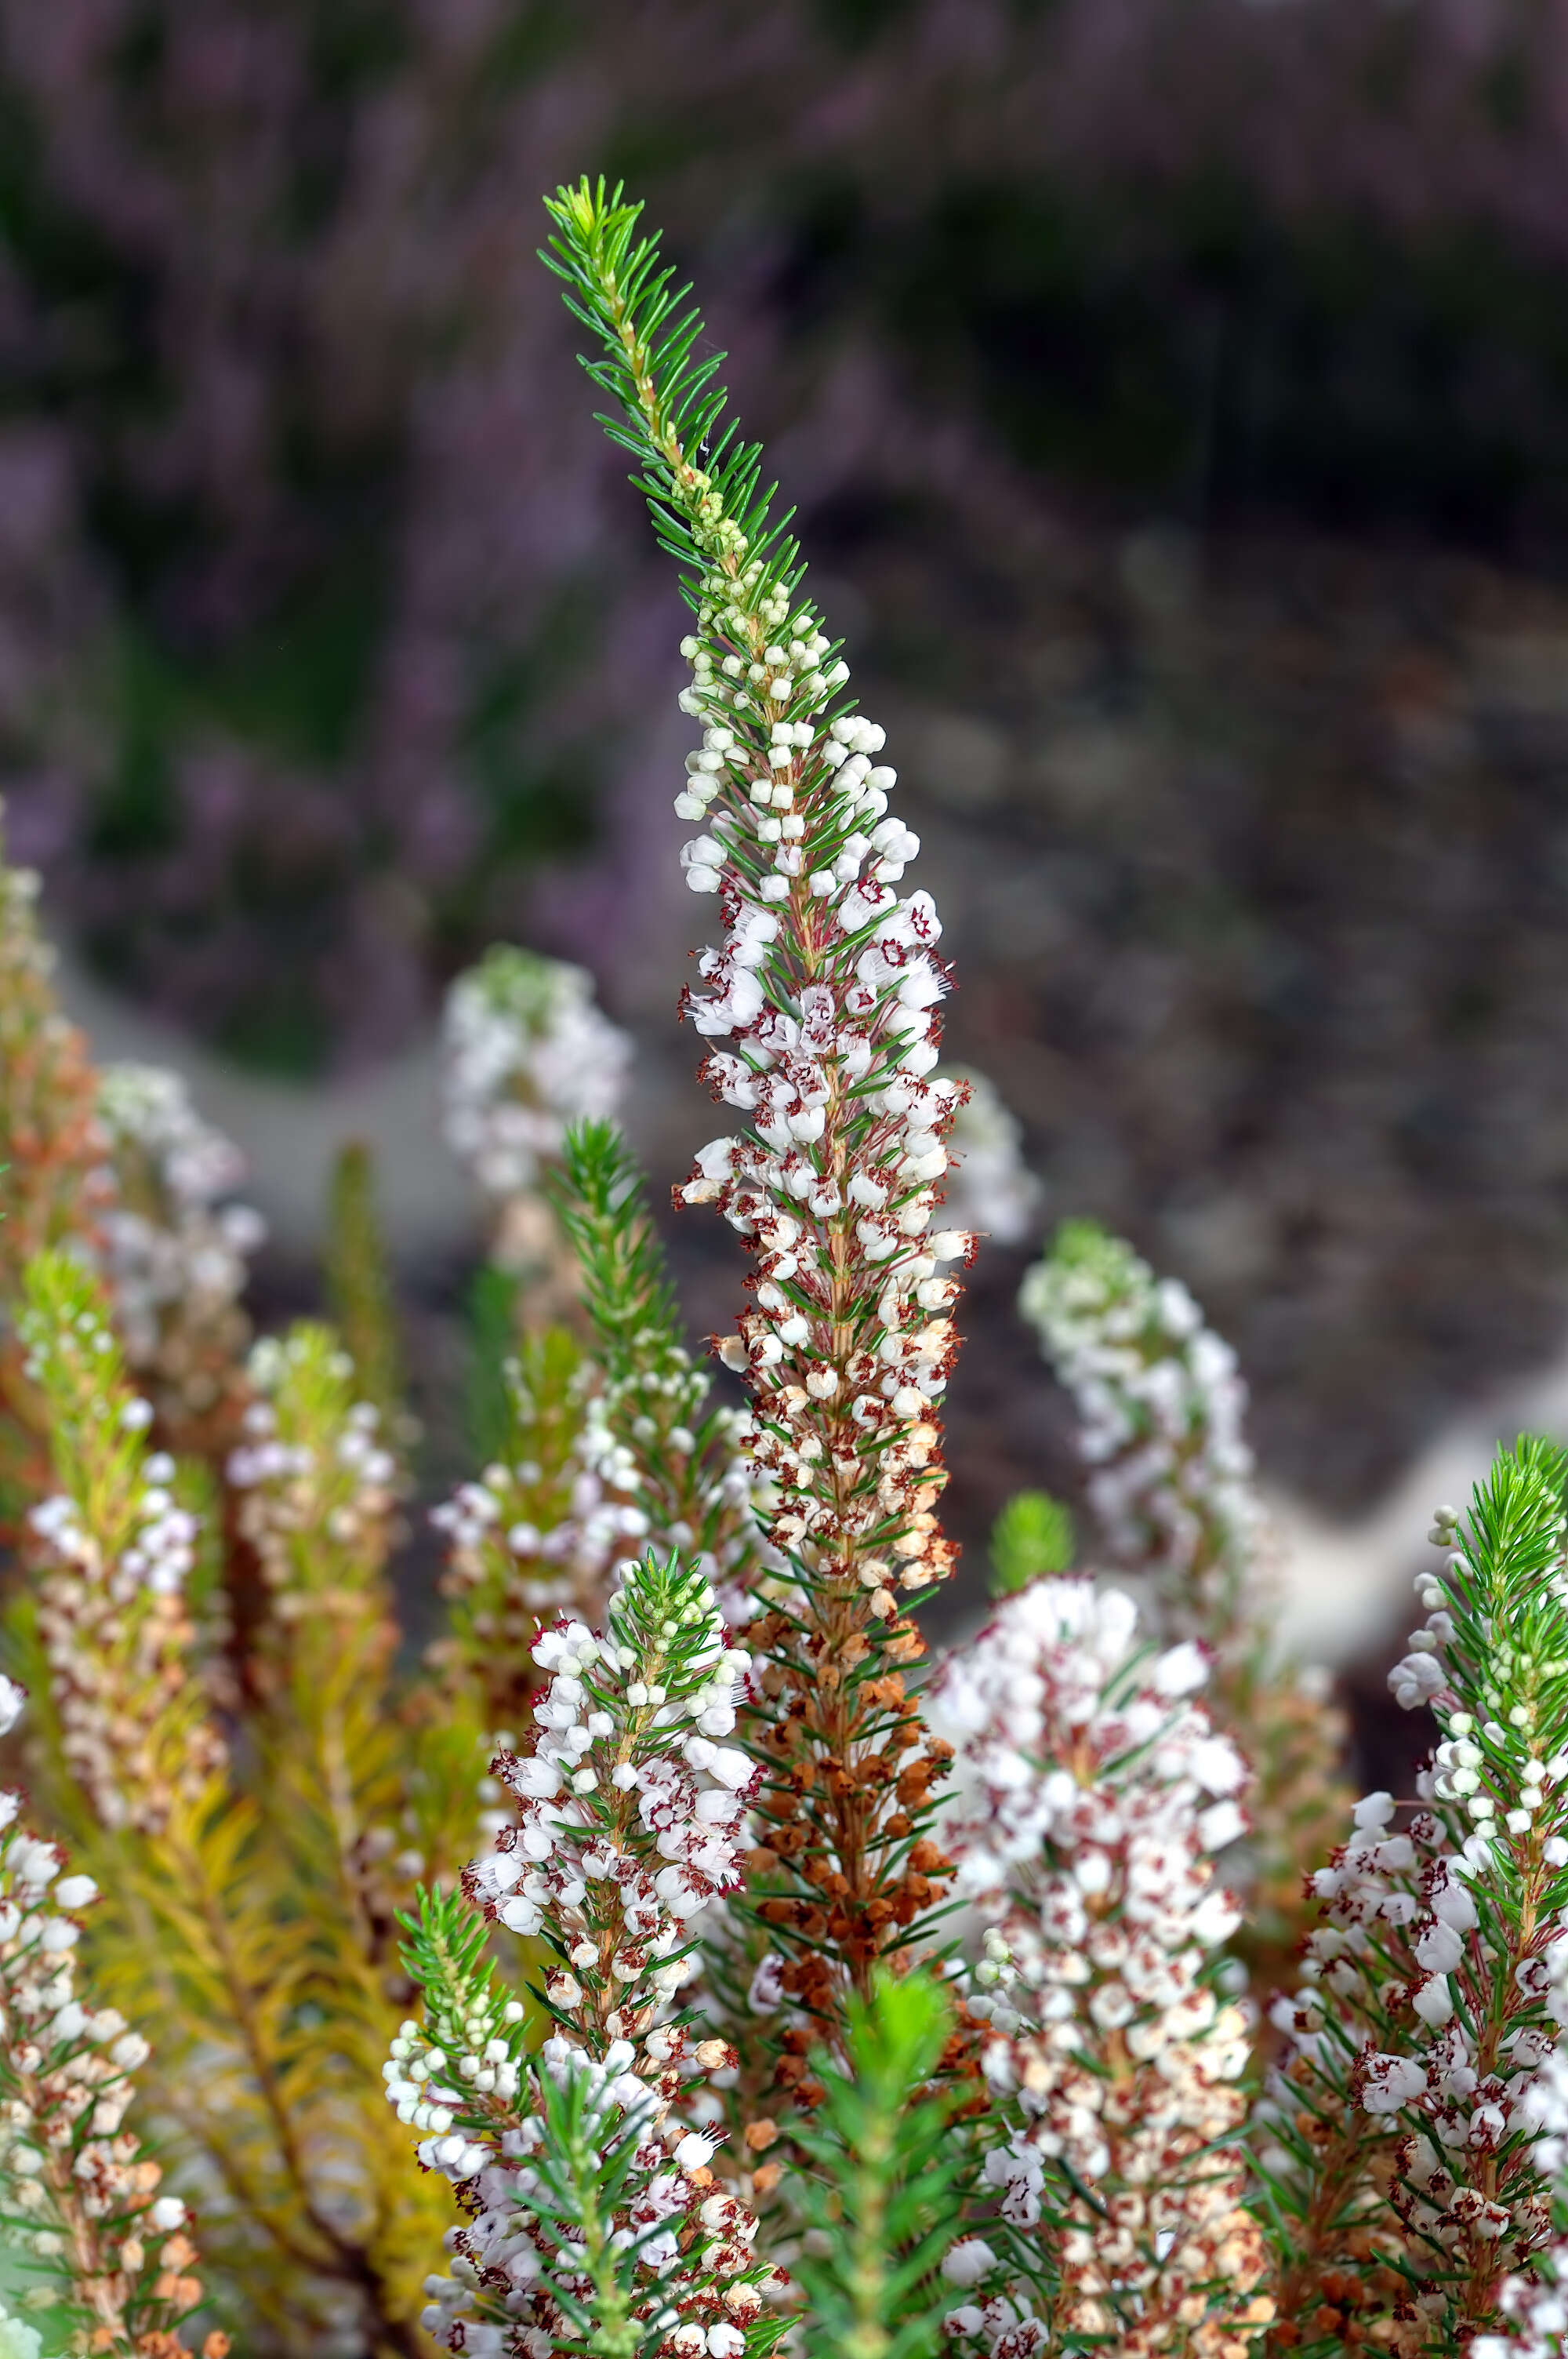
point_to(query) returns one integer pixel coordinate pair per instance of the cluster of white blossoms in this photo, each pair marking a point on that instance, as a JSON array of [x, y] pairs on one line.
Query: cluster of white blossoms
[[631, 1811], [313, 1476], [111, 1558], [81, 2194], [830, 1009], [527, 1542], [175, 1254], [991, 1189], [640, 1437], [1090, 1793], [696, 2279], [1434, 1992], [527, 1051], [1161, 1409], [630, 1820], [1381, 2040]]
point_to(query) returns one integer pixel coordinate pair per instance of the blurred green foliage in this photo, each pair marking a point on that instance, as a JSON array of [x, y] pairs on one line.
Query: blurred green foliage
[[1033, 1535]]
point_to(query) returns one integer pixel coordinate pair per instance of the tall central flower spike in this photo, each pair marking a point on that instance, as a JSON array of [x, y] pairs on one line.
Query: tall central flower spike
[[821, 1002]]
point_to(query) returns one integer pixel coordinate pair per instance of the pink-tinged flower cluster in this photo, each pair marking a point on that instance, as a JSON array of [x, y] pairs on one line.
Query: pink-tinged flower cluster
[[316, 1484], [526, 1566], [824, 990], [1161, 1409], [1394, 2040], [641, 1442], [1427, 2031], [1090, 1794]]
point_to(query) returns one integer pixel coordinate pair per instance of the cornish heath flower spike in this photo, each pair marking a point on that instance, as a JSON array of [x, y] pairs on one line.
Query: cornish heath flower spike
[[821, 1001], [525, 1052], [1160, 1409], [175, 1250], [112, 1552], [1090, 1794]]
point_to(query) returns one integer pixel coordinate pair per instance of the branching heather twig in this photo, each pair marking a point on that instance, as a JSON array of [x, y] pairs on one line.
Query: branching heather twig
[[176, 1254], [629, 1823]]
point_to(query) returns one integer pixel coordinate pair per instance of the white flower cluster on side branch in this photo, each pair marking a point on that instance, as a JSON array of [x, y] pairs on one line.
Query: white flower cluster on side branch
[[316, 1482], [84, 2211], [111, 1553], [630, 1820], [1161, 1407], [526, 1052], [1090, 1794], [175, 1250]]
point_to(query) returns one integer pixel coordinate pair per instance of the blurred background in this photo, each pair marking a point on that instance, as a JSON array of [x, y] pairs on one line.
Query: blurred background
[[1174, 394]]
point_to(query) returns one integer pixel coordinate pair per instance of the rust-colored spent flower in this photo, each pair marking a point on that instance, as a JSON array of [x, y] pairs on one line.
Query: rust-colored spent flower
[[821, 999]]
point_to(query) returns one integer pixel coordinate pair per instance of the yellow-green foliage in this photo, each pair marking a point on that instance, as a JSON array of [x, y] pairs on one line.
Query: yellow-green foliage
[[248, 1924], [1033, 1535], [359, 1286]]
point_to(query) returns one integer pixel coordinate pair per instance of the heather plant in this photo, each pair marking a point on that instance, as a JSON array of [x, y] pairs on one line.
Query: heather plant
[[666, 1963], [526, 1052], [1161, 1407], [360, 1294], [104, 2255]]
